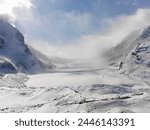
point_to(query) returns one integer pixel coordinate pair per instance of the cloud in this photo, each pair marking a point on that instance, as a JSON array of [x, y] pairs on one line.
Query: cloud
[[123, 25], [128, 2], [57, 26], [90, 48], [7, 8], [48, 30]]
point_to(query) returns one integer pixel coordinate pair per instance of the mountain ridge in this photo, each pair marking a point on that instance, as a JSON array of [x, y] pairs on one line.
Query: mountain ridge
[[14, 50], [132, 55]]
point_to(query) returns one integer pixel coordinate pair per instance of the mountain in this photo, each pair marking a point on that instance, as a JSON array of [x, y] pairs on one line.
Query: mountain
[[7, 67], [132, 55], [15, 55], [42, 58]]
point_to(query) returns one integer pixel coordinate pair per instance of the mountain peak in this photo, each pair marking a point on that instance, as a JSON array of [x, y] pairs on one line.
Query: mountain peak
[[13, 47]]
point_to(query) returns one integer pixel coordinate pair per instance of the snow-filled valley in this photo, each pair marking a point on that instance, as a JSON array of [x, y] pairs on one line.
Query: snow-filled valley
[[95, 90], [33, 82]]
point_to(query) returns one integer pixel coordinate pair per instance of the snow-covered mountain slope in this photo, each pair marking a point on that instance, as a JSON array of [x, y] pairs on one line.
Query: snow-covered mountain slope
[[133, 54], [7, 67], [42, 58], [116, 54], [14, 50]]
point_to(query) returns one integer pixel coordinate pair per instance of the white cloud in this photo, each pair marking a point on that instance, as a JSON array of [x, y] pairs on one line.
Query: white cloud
[[7, 7], [57, 25], [87, 48], [128, 2], [90, 48]]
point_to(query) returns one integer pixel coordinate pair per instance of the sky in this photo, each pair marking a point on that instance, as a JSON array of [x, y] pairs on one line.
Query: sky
[[67, 28], [66, 20]]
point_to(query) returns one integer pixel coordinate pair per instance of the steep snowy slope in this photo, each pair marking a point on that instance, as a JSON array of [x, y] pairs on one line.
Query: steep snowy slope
[[116, 54], [43, 58], [133, 54], [14, 50], [7, 67]]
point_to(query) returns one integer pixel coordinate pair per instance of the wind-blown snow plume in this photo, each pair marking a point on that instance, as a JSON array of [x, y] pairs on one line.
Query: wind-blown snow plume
[[90, 48]]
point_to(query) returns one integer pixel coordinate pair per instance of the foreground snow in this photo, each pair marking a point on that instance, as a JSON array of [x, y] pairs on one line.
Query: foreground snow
[[89, 90]]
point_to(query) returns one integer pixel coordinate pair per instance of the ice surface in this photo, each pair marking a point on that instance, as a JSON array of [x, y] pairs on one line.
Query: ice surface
[[100, 90]]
